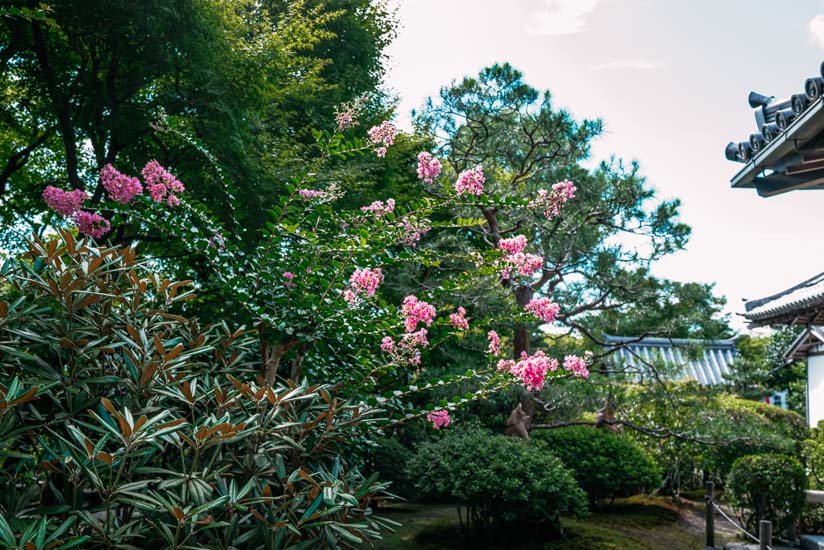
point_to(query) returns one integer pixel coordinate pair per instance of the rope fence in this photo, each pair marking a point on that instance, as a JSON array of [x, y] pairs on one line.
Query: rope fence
[[764, 538]]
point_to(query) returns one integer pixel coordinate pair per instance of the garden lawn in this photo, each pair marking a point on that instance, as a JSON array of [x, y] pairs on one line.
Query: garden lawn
[[637, 523]]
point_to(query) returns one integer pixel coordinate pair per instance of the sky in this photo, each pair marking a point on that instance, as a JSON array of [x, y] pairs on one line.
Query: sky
[[670, 80]]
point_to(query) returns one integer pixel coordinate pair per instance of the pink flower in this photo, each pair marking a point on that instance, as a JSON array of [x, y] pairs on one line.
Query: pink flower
[[552, 202], [363, 281], [439, 419], [494, 343], [458, 320], [378, 208], [161, 184], [506, 364], [311, 194], [576, 365], [513, 245], [531, 369], [412, 230], [470, 181], [66, 203], [429, 167], [416, 311], [120, 187], [520, 264], [415, 360], [413, 340], [92, 224], [387, 344], [543, 309], [383, 136]]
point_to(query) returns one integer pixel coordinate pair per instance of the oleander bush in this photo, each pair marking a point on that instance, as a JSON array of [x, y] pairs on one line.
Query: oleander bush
[[124, 424], [605, 464]]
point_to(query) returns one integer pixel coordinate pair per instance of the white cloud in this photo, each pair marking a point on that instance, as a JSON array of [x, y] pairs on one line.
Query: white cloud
[[624, 64], [560, 17], [816, 28]]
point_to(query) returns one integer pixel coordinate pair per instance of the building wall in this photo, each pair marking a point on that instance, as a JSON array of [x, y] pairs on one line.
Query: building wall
[[815, 386]]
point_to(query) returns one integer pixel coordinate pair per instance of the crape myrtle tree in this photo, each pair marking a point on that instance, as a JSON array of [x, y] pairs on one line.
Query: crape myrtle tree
[[571, 250], [85, 82], [127, 421]]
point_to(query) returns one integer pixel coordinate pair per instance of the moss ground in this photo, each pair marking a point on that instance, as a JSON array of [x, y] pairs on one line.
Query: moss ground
[[637, 523]]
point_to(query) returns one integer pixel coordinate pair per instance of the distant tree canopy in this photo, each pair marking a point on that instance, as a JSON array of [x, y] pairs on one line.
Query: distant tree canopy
[[667, 308], [245, 79]]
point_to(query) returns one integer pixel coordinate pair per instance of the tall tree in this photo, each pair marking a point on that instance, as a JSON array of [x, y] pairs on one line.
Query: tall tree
[[87, 87], [596, 250]]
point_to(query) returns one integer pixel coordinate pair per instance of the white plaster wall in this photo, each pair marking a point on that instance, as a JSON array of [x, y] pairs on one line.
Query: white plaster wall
[[815, 389]]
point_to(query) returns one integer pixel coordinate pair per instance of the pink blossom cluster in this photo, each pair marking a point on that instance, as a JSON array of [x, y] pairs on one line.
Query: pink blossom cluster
[[516, 262], [439, 419], [91, 224], [162, 185], [69, 203], [66, 203], [544, 309], [416, 311], [576, 365], [531, 369], [414, 340], [378, 208], [347, 114], [388, 344], [494, 347], [429, 167], [552, 202], [363, 281], [288, 275], [520, 264], [471, 181], [311, 194], [458, 320], [383, 136], [513, 245], [120, 187], [412, 230]]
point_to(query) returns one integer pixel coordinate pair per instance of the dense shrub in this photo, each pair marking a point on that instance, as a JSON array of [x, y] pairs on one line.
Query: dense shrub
[[124, 424], [767, 487], [501, 482], [605, 464]]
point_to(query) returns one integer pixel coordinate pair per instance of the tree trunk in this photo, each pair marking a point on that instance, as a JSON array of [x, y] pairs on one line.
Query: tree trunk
[[523, 296]]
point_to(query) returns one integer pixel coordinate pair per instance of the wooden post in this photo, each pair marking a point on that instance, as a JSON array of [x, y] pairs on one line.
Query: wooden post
[[708, 499], [765, 534]]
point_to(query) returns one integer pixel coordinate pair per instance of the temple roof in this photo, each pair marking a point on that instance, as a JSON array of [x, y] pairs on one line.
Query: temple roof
[[705, 361], [802, 304]]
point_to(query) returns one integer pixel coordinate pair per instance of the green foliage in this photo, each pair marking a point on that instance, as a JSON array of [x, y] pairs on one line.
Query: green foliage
[[606, 465], [761, 369], [767, 487], [813, 452], [123, 423], [668, 308], [502, 482], [705, 430], [85, 83]]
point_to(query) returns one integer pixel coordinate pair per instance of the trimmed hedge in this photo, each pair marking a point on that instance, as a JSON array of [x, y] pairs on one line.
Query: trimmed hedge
[[501, 482], [767, 487], [605, 464]]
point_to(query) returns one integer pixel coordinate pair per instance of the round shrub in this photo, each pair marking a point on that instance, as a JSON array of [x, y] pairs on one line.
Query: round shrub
[[605, 464], [500, 482], [767, 487]]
